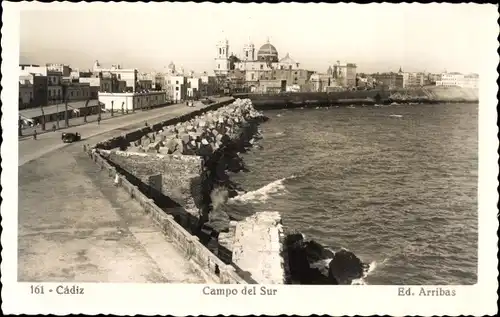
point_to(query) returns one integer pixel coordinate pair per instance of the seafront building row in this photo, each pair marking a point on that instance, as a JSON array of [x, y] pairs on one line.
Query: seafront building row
[[257, 71]]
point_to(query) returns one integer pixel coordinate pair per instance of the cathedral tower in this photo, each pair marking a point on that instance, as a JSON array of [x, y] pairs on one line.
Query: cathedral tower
[[249, 51], [222, 59]]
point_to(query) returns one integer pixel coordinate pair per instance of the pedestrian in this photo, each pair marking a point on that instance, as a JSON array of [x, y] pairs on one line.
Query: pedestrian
[[53, 128], [34, 135], [146, 124], [99, 120]]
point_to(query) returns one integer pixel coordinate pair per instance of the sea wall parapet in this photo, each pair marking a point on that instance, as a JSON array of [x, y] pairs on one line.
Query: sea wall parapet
[[206, 262], [177, 166], [257, 247], [175, 177]]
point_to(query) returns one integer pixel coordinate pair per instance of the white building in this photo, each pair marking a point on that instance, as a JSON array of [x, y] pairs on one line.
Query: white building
[[26, 69], [65, 70], [129, 75], [176, 87], [194, 87], [458, 80], [344, 74], [131, 101]]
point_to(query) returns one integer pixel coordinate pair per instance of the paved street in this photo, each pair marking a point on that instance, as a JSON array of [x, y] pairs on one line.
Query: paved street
[[74, 225], [30, 149]]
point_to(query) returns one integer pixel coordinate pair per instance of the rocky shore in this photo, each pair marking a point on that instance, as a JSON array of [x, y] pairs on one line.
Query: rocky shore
[[427, 94], [185, 169]]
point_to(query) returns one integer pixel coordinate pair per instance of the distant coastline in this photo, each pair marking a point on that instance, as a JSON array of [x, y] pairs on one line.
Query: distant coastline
[[431, 94]]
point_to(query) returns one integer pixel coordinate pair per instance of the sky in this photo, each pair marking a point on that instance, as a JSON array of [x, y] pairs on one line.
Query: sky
[[377, 37]]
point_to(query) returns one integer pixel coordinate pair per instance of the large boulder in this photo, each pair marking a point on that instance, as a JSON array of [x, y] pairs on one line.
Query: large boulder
[[311, 263], [345, 266]]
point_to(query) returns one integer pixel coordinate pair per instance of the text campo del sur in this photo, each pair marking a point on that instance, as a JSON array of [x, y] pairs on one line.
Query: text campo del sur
[[247, 290]]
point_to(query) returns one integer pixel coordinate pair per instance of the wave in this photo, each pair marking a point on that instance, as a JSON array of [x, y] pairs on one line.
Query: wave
[[361, 281], [323, 264], [264, 193], [396, 115]]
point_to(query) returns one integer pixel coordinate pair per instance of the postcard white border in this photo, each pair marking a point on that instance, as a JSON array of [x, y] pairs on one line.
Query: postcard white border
[[149, 299]]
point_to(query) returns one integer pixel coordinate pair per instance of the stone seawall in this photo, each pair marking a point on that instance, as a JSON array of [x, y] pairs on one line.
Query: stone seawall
[[257, 245], [179, 175], [206, 262], [172, 181], [176, 165], [435, 94], [428, 94]]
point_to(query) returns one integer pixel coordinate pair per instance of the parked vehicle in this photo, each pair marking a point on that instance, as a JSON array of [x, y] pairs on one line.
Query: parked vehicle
[[70, 137]]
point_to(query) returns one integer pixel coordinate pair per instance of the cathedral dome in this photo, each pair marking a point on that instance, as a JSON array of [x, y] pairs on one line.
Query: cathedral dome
[[268, 52]]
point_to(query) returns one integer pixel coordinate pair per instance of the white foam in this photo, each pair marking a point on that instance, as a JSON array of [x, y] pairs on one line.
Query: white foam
[[264, 193], [361, 281], [396, 115]]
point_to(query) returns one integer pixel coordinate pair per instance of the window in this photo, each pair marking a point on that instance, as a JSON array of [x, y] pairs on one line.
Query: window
[[290, 67], [218, 66], [220, 51], [253, 76], [71, 94], [176, 88], [176, 82], [49, 92], [261, 66]]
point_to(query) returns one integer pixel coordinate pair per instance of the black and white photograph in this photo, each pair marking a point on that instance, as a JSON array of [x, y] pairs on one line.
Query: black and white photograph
[[250, 153]]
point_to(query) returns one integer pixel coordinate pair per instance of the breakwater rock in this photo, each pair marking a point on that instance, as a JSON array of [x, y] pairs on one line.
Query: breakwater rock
[[204, 134], [182, 164], [427, 94], [311, 263], [435, 94]]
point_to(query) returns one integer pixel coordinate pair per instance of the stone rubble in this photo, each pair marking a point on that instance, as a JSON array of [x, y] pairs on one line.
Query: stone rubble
[[201, 135]]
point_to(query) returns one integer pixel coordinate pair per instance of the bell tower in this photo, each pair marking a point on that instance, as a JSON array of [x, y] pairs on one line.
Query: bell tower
[[249, 51], [222, 59]]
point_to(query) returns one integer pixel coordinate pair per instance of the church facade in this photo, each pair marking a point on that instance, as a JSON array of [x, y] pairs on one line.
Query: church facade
[[260, 66]]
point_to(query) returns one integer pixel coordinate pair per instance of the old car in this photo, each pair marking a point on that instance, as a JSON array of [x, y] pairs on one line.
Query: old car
[[69, 137]]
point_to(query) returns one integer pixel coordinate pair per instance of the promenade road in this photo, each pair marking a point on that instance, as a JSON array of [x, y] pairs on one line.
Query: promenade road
[[30, 149], [73, 123], [75, 226]]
